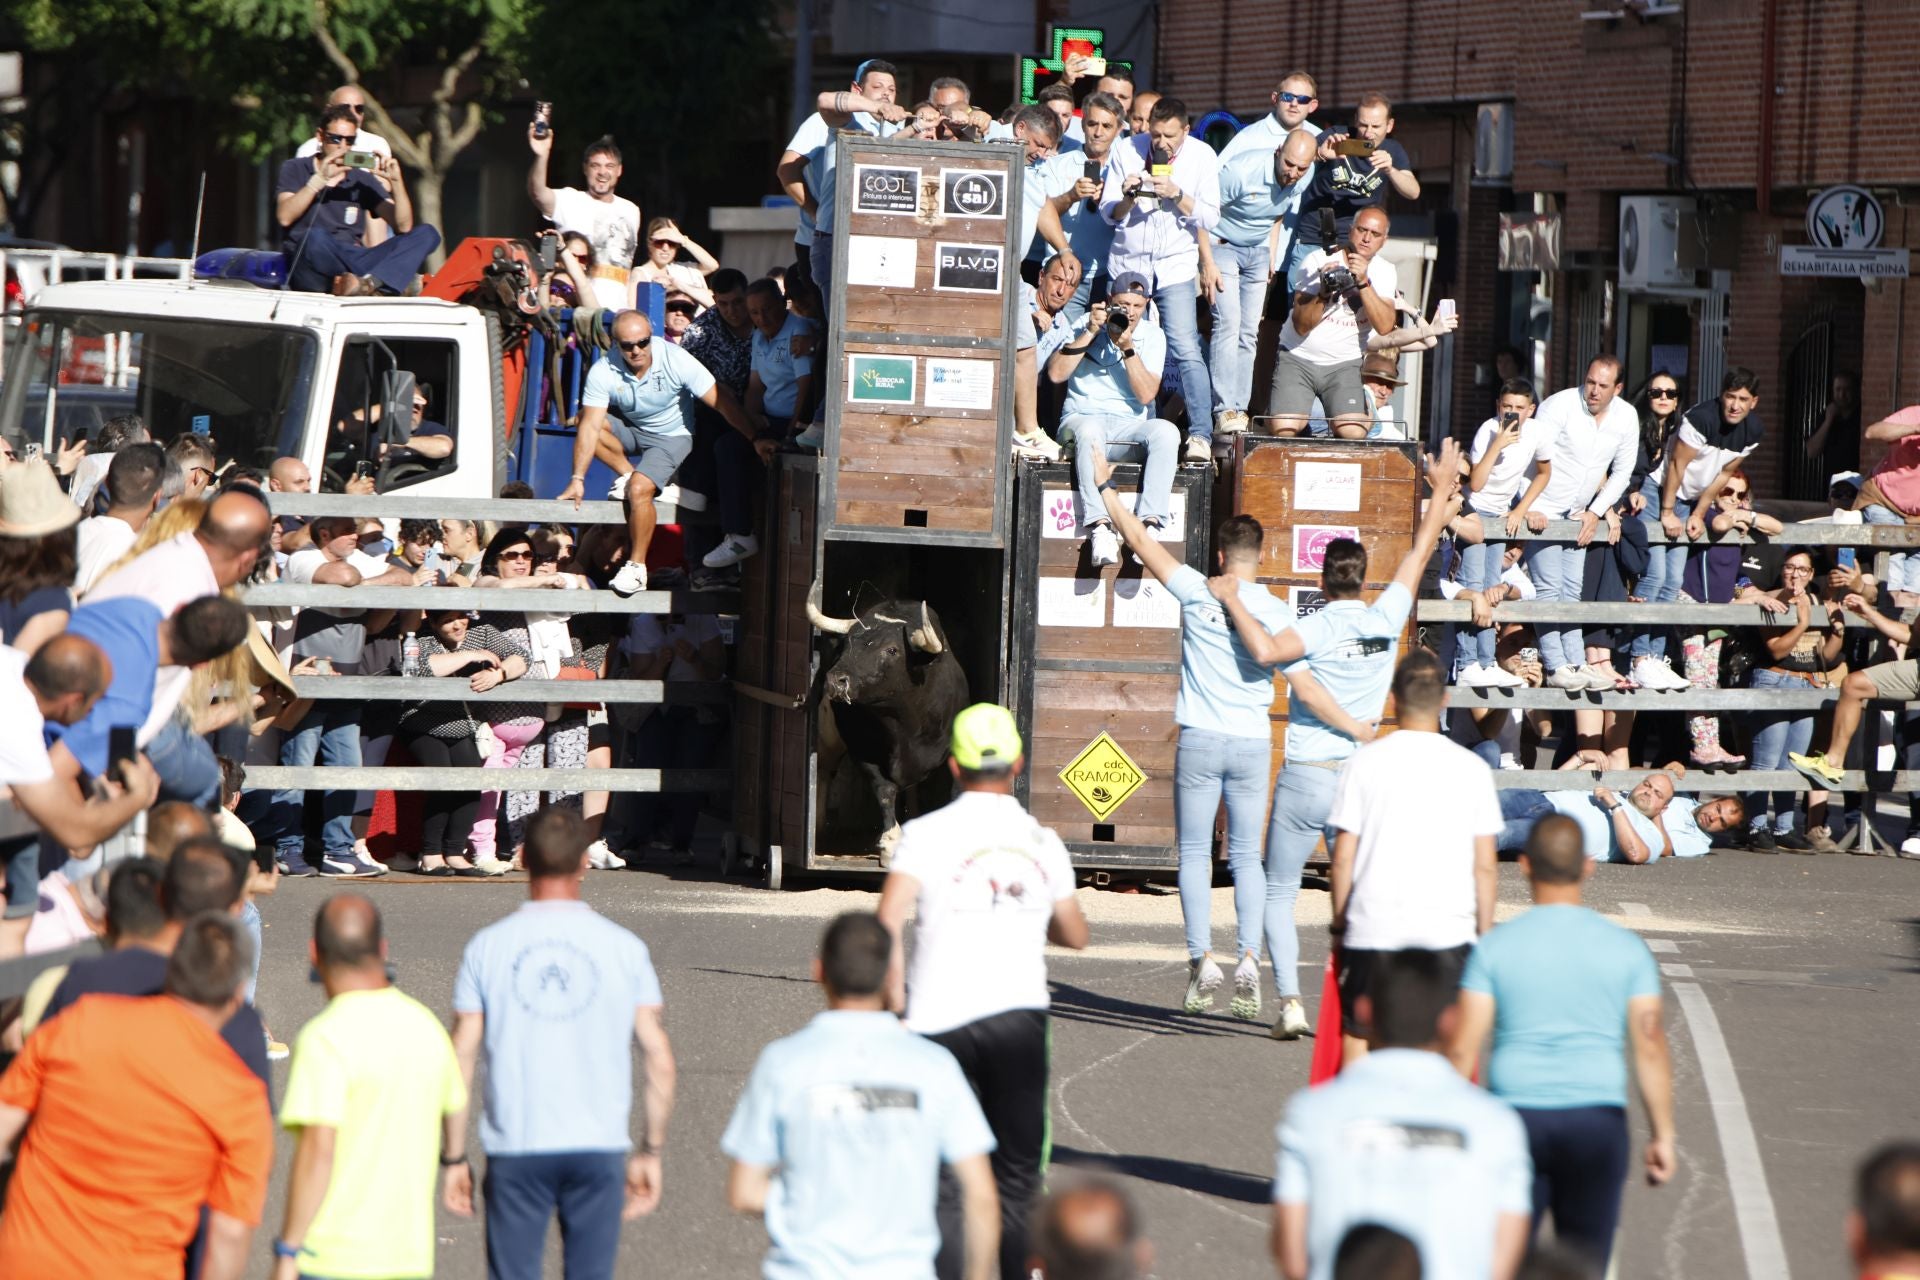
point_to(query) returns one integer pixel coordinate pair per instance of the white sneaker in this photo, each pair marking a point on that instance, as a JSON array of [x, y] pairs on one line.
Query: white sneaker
[[1909, 848], [631, 578], [814, 438], [1665, 677], [1597, 680], [1500, 678], [1104, 544], [1198, 451], [1508, 762], [685, 499], [1230, 422], [733, 548], [1038, 445], [618, 489], [1568, 678], [1203, 979], [493, 866], [601, 858], [1473, 676], [1292, 1022], [1245, 1004]]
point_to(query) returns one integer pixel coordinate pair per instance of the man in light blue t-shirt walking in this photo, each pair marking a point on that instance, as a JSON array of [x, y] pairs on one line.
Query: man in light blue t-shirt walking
[[840, 1135], [1339, 665], [1563, 990], [1226, 742], [556, 994]]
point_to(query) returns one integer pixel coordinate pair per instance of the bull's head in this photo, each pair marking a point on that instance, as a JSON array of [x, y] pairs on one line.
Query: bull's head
[[881, 652]]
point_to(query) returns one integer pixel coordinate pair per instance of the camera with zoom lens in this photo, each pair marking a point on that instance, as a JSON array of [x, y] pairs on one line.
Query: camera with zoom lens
[[1339, 282], [1117, 322]]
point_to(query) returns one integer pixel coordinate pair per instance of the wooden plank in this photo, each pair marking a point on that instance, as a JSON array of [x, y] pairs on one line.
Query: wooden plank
[[976, 462], [883, 515], [907, 490], [901, 430]]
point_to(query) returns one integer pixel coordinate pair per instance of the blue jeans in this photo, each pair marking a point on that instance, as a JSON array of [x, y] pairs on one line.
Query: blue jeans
[[21, 857], [1180, 318], [1123, 440], [394, 262], [586, 1188], [1480, 567], [1660, 584], [1521, 808], [1302, 798], [185, 763], [1903, 570], [1205, 765], [1236, 320], [330, 735], [1558, 571], [1775, 734]]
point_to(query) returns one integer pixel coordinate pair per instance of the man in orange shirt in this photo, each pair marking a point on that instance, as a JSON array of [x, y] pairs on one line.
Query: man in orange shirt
[[141, 1114]]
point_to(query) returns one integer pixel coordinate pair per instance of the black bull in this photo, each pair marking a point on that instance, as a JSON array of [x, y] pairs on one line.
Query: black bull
[[895, 689]]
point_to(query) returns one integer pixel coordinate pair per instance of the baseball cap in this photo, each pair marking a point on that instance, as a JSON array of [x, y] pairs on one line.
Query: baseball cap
[[985, 739], [1839, 478], [1129, 282], [1382, 368]]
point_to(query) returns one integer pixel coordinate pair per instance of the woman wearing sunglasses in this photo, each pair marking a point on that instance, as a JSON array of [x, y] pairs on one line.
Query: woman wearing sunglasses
[[665, 242]]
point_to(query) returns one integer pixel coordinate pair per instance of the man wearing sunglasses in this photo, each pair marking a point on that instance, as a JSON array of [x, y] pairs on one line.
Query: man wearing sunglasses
[[350, 97], [645, 400], [324, 204], [1294, 100]]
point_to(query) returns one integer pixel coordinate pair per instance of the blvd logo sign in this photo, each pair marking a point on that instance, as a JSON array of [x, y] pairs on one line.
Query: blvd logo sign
[[973, 193], [1102, 776], [880, 379], [967, 268], [884, 189]]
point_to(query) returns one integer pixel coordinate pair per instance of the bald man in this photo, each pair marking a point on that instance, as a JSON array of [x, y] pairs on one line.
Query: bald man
[[374, 1079], [350, 95], [1139, 109], [173, 823], [289, 475], [1259, 192], [1088, 1231]]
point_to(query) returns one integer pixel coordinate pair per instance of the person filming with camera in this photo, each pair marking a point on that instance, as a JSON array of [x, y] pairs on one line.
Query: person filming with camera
[[323, 204], [1112, 370], [1346, 295]]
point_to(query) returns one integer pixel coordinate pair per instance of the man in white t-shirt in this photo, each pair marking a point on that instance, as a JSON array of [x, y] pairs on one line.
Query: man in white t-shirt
[[1345, 297], [135, 481], [989, 887], [1415, 860], [610, 223]]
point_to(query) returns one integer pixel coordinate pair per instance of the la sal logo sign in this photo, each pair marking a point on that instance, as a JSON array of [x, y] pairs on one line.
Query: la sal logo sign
[[973, 193]]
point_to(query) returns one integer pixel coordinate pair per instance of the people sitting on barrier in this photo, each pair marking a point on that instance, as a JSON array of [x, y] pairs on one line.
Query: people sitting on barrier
[[1714, 576], [644, 400], [1040, 329], [1112, 373], [1653, 822], [1794, 655], [1345, 295], [1380, 379], [1504, 449], [1895, 681], [324, 202], [779, 381]]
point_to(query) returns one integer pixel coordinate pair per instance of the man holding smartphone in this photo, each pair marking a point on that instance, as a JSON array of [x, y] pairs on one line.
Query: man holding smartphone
[[1070, 221], [324, 204], [1357, 166]]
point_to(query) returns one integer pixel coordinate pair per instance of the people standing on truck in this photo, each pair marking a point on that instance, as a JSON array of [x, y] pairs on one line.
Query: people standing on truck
[[610, 223], [323, 203], [989, 886], [644, 399]]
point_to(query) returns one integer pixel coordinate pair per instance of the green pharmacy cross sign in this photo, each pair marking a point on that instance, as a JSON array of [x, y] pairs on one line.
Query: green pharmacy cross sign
[[1037, 73]]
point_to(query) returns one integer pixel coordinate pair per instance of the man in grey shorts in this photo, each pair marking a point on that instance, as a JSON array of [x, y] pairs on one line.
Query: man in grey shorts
[[644, 400], [1326, 333]]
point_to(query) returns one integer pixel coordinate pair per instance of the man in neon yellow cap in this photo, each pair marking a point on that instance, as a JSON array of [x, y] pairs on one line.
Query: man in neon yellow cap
[[989, 887]]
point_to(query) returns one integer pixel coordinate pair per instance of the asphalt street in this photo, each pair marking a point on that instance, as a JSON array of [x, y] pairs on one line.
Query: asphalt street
[[1792, 998]]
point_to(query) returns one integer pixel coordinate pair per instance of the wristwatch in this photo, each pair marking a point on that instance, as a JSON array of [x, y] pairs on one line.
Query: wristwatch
[[1104, 485], [447, 1162], [281, 1249]]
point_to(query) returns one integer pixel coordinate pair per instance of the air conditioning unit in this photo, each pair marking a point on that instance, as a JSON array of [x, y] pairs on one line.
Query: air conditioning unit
[[1659, 246]]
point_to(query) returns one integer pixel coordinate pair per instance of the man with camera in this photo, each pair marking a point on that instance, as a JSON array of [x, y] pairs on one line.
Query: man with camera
[[1258, 189], [610, 222], [1164, 193], [324, 203], [1072, 217], [1357, 166], [1345, 295], [1112, 372]]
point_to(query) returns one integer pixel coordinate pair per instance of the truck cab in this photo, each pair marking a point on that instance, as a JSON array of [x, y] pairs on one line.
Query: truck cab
[[268, 374]]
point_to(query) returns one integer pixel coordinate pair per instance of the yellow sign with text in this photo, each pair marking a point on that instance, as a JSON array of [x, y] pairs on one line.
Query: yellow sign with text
[[1102, 776]]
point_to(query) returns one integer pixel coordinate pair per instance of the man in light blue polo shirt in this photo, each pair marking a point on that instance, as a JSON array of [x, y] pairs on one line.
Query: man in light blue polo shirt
[[1037, 130], [1649, 824], [1562, 991], [1256, 191], [778, 383], [644, 401], [1112, 373], [1400, 1139], [1294, 100], [1339, 666], [1072, 213], [1226, 743], [869, 107], [839, 1137], [557, 994]]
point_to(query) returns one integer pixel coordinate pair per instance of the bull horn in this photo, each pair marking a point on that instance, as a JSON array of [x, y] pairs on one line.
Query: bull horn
[[820, 621], [926, 637]]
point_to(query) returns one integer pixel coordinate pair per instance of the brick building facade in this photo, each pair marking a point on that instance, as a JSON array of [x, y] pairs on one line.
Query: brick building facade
[[1744, 107]]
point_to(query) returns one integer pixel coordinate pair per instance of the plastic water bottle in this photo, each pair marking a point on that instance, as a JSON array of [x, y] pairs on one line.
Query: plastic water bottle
[[410, 654]]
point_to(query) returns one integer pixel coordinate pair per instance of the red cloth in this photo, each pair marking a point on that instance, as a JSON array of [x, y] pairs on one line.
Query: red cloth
[[1326, 1036]]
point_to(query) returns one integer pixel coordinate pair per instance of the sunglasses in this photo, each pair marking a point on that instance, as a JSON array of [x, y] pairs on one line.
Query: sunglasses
[[640, 345], [661, 244], [1663, 393], [1734, 493], [339, 137], [1300, 98], [358, 108], [515, 555]]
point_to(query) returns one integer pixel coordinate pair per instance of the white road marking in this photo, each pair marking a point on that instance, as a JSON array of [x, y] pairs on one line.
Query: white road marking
[[1663, 946], [1753, 1210], [1677, 970], [1635, 909]]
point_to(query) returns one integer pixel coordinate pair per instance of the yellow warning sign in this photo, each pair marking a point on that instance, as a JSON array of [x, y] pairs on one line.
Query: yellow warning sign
[[1102, 776]]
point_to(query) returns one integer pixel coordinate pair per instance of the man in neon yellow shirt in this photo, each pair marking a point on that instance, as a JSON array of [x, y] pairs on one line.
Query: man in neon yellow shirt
[[376, 1100]]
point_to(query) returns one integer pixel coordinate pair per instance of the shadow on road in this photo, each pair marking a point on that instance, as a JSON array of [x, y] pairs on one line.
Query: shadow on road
[[1227, 1184], [1076, 1004], [1912, 926]]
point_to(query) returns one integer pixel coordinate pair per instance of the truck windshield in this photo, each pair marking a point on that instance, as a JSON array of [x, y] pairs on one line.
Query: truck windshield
[[247, 387]]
